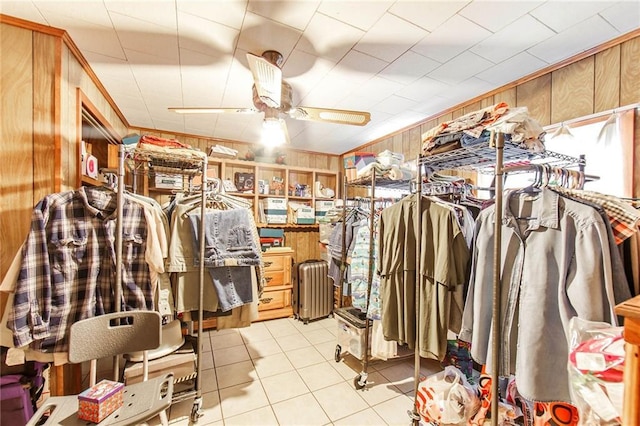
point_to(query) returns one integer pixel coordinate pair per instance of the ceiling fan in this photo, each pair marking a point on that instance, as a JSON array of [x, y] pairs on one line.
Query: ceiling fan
[[273, 97]]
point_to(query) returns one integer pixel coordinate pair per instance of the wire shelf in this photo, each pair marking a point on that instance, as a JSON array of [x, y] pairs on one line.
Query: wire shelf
[[482, 157], [164, 162], [382, 182]]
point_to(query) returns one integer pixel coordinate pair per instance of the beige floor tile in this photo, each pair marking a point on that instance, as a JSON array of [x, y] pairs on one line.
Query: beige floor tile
[[304, 357], [302, 410], [348, 368], [328, 323], [211, 412], [310, 326], [378, 389], [394, 411], [366, 417], [224, 331], [340, 400], [230, 355], [293, 341], [205, 344], [284, 386], [320, 376], [272, 365], [235, 374], [281, 329], [242, 398], [226, 340], [263, 348], [262, 416], [400, 375], [320, 336], [209, 381], [206, 358], [327, 350]]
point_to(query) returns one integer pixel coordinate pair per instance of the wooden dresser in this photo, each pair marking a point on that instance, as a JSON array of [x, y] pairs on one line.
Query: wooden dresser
[[630, 310], [276, 297]]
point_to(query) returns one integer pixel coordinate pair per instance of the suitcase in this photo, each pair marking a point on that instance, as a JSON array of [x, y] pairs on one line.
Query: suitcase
[[312, 291]]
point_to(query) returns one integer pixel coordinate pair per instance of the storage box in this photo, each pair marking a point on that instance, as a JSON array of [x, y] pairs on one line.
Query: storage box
[[167, 181], [271, 233], [275, 210], [351, 332], [301, 214], [275, 204], [322, 207], [352, 159], [277, 218], [100, 400]]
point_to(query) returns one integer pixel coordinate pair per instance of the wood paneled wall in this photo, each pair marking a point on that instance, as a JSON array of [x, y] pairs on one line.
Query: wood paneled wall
[[598, 82]]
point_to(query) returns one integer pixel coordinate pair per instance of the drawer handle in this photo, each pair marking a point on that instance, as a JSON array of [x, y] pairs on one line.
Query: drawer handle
[[266, 300], [267, 264], [267, 279]]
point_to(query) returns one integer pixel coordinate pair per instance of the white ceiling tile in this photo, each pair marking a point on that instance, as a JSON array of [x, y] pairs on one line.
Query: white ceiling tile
[[560, 15], [460, 68], [467, 90], [389, 38], [408, 68], [512, 69], [496, 14], [294, 14], [423, 89], [197, 124], [203, 85], [238, 92], [513, 39], [433, 105], [449, 40], [357, 13], [358, 67], [304, 71], [101, 42], [161, 13], [201, 35], [576, 39], [24, 10], [328, 38], [377, 88], [428, 14], [359, 103], [83, 12], [227, 12], [328, 92], [146, 38], [158, 80], [259, 34], [624, 15]]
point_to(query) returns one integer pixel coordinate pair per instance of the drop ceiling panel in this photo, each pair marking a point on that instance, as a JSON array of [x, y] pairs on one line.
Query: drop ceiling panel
[[146, 38], [259, 34], [423, 88], [582, 36], [624, 16], [512, 69], [304, 71], [295, 14], [84, 12], [466, 90], [394, 105], [460, 68], [497, 14], [427, 14], [452, 38], [161, 14], [560, 15], [227, 12], [409, 67], [513, 39], [389, 38], [358, 67], [329, 38], [210, 38], [359, 14], [377, 88], [23, 9]]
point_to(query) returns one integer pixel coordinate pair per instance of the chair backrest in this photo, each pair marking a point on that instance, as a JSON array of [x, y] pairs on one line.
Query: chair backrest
[[114, 334]]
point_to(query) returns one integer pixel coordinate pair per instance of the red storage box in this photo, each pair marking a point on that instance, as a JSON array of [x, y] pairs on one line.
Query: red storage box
[[100, 400]]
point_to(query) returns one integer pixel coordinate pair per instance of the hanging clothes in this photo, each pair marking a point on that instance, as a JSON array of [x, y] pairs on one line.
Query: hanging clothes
[[556, 264], [442, 271]]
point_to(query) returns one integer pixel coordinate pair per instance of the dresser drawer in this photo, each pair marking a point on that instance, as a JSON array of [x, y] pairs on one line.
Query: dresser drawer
[[274, 278], [275, 263], [277, 299]]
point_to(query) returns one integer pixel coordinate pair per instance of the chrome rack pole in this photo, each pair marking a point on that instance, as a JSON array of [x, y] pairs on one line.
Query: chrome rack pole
[[498, 141], [343, 259], [415, 417], [118, 238]]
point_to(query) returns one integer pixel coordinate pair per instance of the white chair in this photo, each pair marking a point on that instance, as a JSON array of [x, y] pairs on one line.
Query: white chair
[[102, 337]]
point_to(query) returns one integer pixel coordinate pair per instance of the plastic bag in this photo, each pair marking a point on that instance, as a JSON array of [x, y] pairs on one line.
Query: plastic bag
[[446, 398], [596, 364]]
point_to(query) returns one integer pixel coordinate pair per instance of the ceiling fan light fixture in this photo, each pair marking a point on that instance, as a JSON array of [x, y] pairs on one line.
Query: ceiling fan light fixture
[[268, 80], [274, 132]]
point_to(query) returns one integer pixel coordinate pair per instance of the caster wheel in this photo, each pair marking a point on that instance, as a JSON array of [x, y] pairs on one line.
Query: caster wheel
[[337, 353], [357, 384]]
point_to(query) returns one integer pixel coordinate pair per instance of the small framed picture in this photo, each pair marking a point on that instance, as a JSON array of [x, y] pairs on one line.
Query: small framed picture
[[229, 186]]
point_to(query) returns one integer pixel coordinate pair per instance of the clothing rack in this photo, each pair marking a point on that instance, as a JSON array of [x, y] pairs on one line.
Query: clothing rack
[[186, 165], [360, 381], [482, 158]]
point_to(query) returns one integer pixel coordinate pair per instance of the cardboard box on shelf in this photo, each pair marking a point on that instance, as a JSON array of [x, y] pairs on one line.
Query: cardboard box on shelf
[[167, 181], [100, 400], [322, 207]]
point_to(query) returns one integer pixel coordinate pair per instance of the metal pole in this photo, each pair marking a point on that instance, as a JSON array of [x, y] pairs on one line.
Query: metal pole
[[365, 366], [497, 269], [118, 241], [418, 231]]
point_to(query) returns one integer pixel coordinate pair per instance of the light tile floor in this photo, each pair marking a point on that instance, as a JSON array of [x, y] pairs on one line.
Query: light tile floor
[[283, 372]]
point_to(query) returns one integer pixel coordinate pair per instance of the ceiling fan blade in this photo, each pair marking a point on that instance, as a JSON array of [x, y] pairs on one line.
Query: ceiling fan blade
[[267, 79], [205, 110], [339, 116]]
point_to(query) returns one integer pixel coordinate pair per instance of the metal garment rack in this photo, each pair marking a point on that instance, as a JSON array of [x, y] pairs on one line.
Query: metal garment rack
[[145, 161], [483, 158], [360, 381]]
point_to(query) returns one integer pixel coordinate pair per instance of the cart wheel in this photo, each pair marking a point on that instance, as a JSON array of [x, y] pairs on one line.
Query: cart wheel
[[337, 354], [196, 413], [357, 384]]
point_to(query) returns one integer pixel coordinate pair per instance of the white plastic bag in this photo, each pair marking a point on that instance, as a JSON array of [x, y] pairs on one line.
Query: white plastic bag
[[446, 398]]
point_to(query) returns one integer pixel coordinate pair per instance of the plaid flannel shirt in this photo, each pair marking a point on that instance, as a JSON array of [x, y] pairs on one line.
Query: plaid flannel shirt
[[68, 266]]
